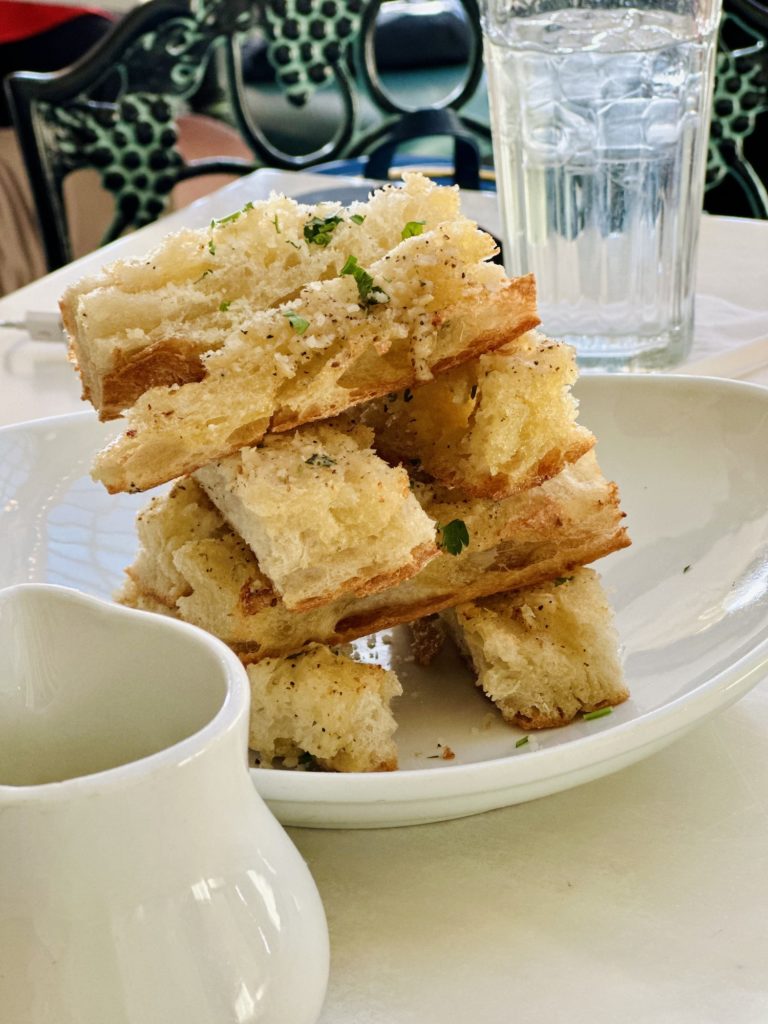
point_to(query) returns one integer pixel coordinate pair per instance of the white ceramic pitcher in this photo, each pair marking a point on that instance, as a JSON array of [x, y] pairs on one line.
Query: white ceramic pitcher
[[142, 878]]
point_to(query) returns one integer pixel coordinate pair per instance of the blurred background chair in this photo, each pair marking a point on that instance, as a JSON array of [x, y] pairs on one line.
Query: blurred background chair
[[180, 95], [41, 38], [737, 169], [181, 92]]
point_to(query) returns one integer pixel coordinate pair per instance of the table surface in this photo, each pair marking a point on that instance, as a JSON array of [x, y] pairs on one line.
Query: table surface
[[641, 897]]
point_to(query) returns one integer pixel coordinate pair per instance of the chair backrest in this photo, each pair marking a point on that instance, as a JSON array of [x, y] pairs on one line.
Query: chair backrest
[[737, 168], [117, 110]]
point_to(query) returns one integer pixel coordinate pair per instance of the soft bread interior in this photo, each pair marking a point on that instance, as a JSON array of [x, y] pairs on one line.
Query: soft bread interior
[[146, 322], [326, 705], [545, 654], [331, 350], [323, 514], [490, 427]]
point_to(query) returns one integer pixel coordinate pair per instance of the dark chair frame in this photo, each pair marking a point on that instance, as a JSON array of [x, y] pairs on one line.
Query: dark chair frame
[[169, 56]]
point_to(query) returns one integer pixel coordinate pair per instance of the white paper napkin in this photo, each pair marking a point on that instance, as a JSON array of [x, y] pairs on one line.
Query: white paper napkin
[[729, 340]]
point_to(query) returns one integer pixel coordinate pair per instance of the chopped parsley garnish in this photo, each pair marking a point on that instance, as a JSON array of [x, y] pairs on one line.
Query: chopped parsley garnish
[[205, 273], [686, 568], [294, 244], [454, 536], [224, 306], [561, 580], [369, 294], [298, 323], [211, 247], [600, 713], [319, 230], [231, 218], [412, 228], [357, 218], [276, 222], [521, 742], [320, 459]]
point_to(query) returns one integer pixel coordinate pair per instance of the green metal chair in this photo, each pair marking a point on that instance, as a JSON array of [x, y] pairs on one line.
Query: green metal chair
[[117, 109], [737, 168]]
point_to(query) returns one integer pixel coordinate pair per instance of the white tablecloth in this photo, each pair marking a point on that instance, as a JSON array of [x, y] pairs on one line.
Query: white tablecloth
[[638, 898]]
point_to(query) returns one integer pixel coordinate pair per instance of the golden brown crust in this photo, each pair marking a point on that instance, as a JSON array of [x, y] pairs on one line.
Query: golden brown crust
[[533, 718], [135, 588], [500, 486], [134, 594], [173, 361], [496, 581], [253, 598], [361, 586], [520, 291], [530, 538], [143, 458], [68, 322], [515, 309]]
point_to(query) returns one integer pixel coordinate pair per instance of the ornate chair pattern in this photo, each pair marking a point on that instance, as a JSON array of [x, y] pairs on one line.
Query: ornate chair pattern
[[740, 113], [116, 110]]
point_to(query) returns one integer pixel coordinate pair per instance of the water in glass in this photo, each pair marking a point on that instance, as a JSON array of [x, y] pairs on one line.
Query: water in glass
[[600, 134]]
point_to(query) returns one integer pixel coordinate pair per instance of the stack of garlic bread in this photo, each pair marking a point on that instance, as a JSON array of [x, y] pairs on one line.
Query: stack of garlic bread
[[357, 425]]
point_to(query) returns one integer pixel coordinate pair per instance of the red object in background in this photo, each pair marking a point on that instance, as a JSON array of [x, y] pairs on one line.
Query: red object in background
[[22, 20], [45, 37]]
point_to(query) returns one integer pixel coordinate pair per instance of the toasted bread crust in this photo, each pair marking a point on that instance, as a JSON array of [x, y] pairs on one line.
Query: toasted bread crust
[[176, 361], [176, 300], [158, 446], [545, 654], [362, 586], [512, 317], [569, 521], [494, 581], [497, 425]]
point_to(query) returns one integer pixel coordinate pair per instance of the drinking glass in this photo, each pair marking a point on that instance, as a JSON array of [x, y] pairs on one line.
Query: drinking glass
[[600, 114]]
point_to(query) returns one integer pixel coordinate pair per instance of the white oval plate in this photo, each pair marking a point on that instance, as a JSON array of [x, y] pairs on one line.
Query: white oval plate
[[691, 599]]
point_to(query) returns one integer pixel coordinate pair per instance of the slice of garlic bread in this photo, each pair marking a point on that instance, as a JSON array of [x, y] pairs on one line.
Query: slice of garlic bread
[[324, 706], [491, 427], [544, 654], [432, 303], [324, 515], [146, 322], [520, 541]]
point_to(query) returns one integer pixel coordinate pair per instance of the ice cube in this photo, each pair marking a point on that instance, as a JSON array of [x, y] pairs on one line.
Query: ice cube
[[555, 134], [626, 77], [621, 125], [662, 121], [580, 78]]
